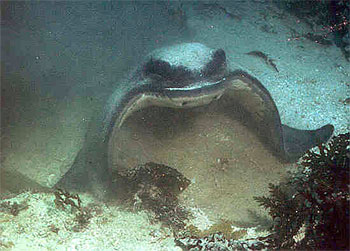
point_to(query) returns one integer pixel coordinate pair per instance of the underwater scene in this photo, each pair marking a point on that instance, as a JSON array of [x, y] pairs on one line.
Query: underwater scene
[[175, 125]]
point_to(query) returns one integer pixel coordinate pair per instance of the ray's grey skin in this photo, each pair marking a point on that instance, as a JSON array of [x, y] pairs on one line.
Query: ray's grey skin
[[184, 76]]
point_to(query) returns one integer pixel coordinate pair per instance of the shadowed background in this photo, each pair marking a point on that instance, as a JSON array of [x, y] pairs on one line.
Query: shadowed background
[[59, 63]]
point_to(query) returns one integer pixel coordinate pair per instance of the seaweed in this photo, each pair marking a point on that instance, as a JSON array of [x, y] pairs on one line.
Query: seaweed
[[12, 208], [63, 199], [266, 59], [311, 211], [155, 187]]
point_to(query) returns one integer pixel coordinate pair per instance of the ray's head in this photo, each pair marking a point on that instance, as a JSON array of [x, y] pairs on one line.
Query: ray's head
[[187, 66]]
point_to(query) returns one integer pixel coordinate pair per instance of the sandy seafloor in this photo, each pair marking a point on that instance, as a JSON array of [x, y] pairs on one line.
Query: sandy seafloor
[[310, 90]]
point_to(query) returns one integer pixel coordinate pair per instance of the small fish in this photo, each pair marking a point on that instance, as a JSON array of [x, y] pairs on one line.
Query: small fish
[[266, 59]]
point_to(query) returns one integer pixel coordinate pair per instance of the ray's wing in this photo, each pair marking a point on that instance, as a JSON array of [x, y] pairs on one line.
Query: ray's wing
[[297, 142]]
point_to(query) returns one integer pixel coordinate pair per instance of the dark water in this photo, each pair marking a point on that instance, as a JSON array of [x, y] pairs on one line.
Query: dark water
[[60, 61], [60, 50]]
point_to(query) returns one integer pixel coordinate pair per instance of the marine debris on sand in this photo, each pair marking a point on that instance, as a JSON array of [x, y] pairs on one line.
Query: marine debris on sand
[[268, 61]]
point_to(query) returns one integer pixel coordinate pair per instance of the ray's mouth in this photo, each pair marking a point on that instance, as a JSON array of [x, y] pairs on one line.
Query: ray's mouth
[[158, 117], [181, 97], [212, 145]]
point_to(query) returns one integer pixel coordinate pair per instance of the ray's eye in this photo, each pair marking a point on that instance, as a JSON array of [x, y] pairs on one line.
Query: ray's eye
[[157, 67], [163, 71], [216, 65]]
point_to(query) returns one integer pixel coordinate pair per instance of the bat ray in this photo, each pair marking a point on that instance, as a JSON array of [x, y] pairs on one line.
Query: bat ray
[[185, 76]]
